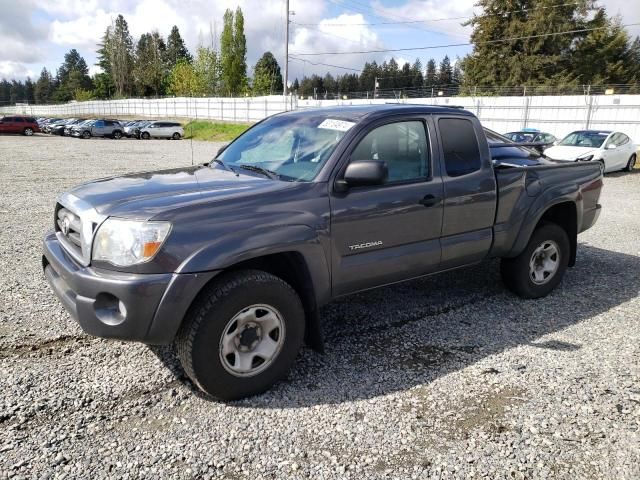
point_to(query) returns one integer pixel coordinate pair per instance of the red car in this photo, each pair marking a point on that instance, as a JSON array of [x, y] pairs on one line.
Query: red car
[[18, 124]]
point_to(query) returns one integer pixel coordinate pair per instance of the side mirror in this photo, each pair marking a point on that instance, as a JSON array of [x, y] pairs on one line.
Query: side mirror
[[612, 146], [363, 173]]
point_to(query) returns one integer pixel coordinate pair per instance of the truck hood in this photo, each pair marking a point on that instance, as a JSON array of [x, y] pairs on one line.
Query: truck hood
[[563, 152], [142, 195]]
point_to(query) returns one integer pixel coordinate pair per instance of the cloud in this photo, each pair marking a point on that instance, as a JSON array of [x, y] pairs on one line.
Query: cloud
[[19, 35], [9, 69], [342, 33]]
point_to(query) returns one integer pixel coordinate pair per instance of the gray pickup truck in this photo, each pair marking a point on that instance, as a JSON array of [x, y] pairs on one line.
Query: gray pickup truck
[[230, 261]]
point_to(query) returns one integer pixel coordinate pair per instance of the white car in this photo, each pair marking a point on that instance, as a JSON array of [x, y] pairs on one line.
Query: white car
[[162, 130], [614, 150]]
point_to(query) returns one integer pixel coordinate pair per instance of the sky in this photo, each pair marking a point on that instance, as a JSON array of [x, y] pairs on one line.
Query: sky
[[37, 33]]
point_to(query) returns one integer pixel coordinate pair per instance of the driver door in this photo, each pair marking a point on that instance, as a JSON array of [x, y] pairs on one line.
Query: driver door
[[387, 233]]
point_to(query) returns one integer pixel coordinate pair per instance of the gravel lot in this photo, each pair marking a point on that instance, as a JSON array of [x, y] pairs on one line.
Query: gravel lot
[[445, 377]]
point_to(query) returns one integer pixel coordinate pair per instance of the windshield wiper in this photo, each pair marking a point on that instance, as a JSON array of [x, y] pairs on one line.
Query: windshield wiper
[[224, 165], [267, 173]]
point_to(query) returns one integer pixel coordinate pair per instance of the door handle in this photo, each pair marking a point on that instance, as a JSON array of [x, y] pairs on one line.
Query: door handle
[[429, 200]]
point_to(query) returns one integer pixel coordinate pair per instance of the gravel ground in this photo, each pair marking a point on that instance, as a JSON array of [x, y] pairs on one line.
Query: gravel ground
[[445, 377]]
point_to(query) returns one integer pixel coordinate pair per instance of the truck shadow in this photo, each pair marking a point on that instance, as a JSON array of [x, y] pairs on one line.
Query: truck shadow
[[406, 335]]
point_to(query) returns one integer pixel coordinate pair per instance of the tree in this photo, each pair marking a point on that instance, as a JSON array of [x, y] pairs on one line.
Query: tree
[[207, 70], [233, 53], [115, 56], [267, 78], [603, 56], [296, 86], [367, 78], [183, 81], [445, 73], [176, 48], [417, 80], [597, 52], [150, 67], [43, 91], [431, 75], [5, 92], [73, 75], [29, 91], [634, 59]]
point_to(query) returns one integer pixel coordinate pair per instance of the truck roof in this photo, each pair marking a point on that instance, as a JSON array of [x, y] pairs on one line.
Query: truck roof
[[358, 112]]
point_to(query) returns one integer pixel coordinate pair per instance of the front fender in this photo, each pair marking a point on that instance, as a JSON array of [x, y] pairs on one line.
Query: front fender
[[241, 246]]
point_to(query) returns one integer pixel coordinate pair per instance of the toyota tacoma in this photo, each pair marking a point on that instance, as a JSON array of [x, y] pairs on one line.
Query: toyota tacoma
[[230, 261]]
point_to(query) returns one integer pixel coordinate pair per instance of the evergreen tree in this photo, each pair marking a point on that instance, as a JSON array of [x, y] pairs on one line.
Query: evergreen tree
[[445, 73], [73, 75], [29, 91], [267, 79], [405, 76], [5, 92], [634, 59], [119, 49], [330, 86], [44, 87], [368, 76], [417, 80], [176, 48], [431, 75], [296, 85]]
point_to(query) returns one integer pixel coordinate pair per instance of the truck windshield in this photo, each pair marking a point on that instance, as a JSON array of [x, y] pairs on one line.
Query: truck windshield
[[295, 147]]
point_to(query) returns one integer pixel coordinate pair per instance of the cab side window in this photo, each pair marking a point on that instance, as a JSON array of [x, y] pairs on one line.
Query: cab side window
[[402, 145], [460, 146]]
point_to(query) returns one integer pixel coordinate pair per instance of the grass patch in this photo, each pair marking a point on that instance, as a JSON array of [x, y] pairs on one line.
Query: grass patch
[[213, 131]]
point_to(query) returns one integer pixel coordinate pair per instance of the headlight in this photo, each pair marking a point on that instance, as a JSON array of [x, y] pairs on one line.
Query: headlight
[[586, 158], [129, 242]]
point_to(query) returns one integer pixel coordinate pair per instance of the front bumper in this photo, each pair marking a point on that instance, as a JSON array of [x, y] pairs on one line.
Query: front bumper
[[148, 308]]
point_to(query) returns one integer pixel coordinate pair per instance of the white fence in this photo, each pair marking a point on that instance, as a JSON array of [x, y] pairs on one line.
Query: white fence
[[556, 114]]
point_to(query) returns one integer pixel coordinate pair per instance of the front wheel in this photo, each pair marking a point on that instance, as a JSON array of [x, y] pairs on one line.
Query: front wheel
[[28, 131], [86, 134], [540, 267], [145, 135], [241, 335], [631, 163], [176, 136], [117, 135]]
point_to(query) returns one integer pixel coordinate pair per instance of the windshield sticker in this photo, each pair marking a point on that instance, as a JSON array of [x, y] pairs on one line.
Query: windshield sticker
[[333, 124]]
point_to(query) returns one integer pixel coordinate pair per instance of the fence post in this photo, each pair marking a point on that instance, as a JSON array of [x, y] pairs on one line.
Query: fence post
[[589, 107], [525, 113]]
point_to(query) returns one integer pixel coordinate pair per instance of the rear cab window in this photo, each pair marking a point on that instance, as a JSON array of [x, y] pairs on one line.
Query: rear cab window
[[459, 146]]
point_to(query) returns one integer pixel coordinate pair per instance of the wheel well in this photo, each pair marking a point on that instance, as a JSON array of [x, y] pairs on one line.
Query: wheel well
[[292, 268], [565, 216]]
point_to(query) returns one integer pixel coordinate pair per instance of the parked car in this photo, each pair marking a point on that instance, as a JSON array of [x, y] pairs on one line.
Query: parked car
[[309, 206], [171, 130], [506, 153], [98, 128], [49, 121], [133, 128], [19, 124], [59, 127], [532, 138], [614, 150]]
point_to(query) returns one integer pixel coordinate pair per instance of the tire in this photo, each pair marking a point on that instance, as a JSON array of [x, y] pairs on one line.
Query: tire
[[519, 274], [176, 136], [28, 131], [631, 163], [117, 135], [262, 301], [145, 135], [86, 134]]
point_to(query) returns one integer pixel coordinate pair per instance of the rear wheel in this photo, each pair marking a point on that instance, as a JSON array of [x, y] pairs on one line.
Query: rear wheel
[[176, 136], [540, 267], [631, 163], [241, 335], [145, 135], [28, 131], [86, 134], [117, 135]]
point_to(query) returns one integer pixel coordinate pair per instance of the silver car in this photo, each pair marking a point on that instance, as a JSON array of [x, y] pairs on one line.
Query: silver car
[[162, 130]]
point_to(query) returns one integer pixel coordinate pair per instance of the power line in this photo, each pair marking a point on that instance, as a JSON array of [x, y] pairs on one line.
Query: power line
[[323, 64], [409, 22], [464, 44]]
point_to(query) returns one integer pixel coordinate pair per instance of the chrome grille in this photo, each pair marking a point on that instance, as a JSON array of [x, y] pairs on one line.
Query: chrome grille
[[70, 227]]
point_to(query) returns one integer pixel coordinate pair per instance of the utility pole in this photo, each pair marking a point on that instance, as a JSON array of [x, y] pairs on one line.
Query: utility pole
[[286, 52]]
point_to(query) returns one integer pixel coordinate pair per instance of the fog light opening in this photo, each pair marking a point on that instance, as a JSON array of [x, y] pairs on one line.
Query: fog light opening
[[109, 309]]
